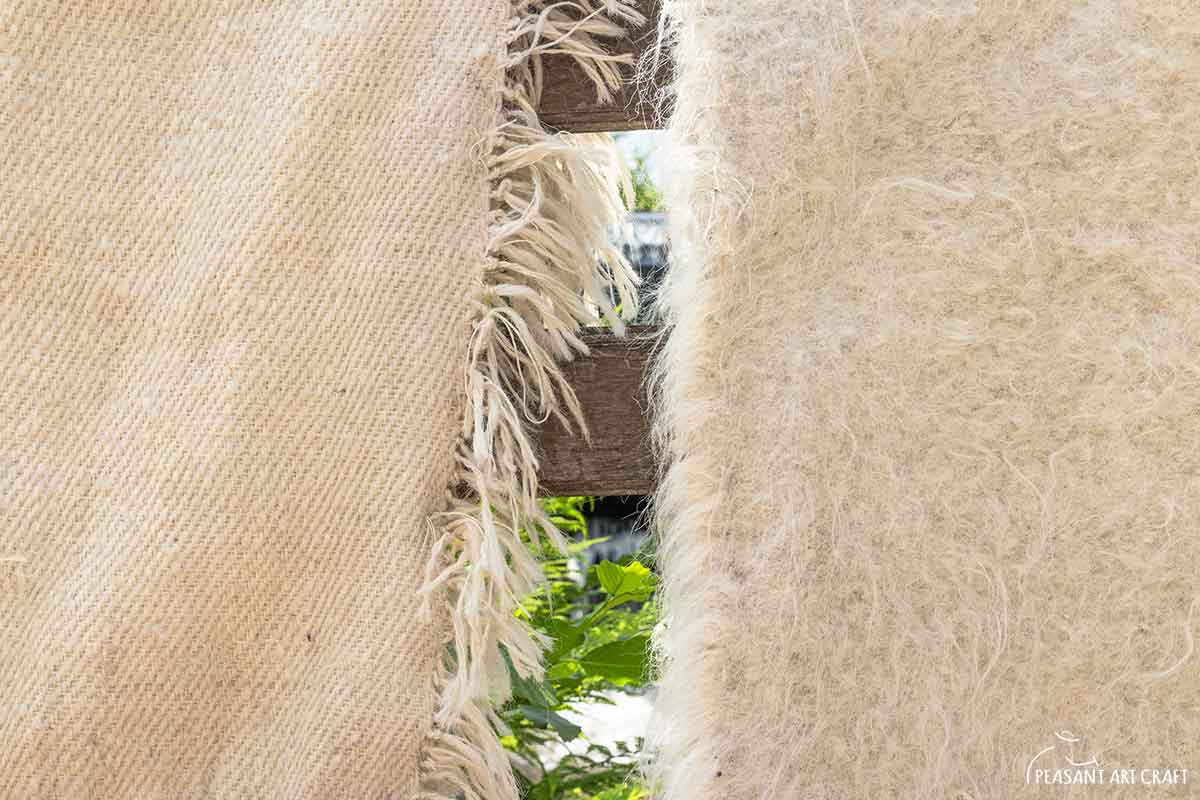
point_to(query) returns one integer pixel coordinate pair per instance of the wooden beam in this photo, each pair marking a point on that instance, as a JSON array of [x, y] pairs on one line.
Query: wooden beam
[[611, 385], [569, 99], [611, 381]]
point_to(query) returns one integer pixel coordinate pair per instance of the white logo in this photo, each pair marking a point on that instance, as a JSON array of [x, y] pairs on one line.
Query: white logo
[[1068, 762]]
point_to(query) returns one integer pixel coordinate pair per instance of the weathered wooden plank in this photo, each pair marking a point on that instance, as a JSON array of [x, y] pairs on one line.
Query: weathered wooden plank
[[611, 385], [611, 381], [569, 99]]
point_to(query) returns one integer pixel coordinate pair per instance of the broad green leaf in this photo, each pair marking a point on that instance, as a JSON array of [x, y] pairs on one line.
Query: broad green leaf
[[611, 576], [527, 689], [562, 671], [630, 583], [620, 660], [566, 637], [544, 716]]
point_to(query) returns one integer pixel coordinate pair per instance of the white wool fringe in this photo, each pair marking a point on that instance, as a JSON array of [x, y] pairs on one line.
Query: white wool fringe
[[548, 267], [678, 756]]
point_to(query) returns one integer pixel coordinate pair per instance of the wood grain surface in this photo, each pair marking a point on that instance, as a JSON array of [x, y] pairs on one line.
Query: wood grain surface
[[611, 386], [569, 99]]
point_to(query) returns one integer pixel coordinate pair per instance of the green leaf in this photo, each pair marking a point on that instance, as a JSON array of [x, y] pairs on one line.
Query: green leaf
[[527, 689], [621, 660], [562, 671], [630, 583], [566, 637], [611, 576], [544, 716]]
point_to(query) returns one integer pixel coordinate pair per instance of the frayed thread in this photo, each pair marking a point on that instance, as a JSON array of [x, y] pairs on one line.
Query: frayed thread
[[548, 268]]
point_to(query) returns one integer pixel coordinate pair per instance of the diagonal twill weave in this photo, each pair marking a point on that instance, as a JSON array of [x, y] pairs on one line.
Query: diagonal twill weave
[[249, 256], [234, 317]]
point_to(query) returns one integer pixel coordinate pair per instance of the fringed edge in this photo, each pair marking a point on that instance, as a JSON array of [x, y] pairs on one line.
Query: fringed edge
[[548, 268], [678, 756]]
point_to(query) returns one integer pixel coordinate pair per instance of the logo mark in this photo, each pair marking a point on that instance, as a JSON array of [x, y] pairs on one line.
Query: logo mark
[[1068, 762], [1067, 741]]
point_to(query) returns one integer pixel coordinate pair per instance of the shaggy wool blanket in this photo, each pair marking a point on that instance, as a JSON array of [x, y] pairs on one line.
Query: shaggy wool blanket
[[931, 402], [274, 277]]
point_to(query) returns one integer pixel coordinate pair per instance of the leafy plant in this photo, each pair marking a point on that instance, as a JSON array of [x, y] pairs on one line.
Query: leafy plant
[[600, 632], [646, 196]]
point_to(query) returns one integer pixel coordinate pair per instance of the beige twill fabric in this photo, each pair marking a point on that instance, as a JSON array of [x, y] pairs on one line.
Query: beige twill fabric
[[932, 400], [235, 243]]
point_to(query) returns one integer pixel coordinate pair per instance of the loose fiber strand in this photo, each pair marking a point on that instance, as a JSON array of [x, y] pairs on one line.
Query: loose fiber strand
[[546, 273]]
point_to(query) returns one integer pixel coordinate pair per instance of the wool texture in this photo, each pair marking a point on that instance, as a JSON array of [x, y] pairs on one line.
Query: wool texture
[[273, 277], [550, 270], [930, 401]]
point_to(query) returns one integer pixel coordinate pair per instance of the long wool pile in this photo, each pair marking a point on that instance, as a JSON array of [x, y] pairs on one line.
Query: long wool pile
[[932, 399], [273, 276]]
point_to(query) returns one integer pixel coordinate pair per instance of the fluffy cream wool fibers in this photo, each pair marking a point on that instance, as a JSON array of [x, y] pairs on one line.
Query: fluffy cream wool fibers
[[931, 401]]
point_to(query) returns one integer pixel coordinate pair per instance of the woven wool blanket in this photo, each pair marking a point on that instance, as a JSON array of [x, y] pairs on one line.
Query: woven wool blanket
[[931, 401], [271, 276]]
